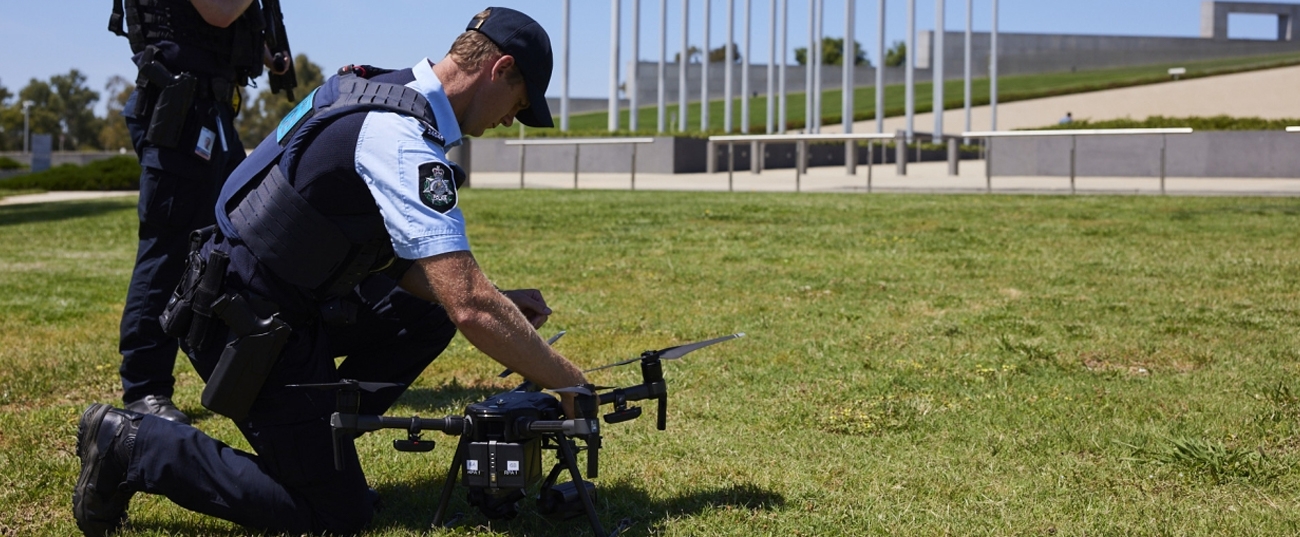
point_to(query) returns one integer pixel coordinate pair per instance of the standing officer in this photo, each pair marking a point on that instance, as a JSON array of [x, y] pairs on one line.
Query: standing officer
[[192, 55], [351, 197]]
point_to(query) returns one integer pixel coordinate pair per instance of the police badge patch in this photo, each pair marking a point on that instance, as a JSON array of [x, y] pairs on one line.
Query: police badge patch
[[437, 187]]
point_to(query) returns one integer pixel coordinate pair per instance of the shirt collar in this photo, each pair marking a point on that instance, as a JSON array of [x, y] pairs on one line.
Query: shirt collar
[[427, 83]]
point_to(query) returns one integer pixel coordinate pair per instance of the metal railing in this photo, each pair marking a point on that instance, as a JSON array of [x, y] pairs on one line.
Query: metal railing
[[757, 142], [577, 144], [1074, 134]]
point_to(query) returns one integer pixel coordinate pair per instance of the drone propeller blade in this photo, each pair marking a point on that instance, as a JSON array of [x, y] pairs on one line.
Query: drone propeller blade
[[580, 390], [673, 353], [615, 364], [551, 341], [367, 386]]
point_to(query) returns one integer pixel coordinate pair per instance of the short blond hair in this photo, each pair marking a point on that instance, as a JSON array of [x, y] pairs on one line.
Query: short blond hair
[[472, 49]]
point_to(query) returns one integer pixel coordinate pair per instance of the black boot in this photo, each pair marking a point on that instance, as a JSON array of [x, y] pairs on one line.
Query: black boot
[[158, 405], [105, 439]]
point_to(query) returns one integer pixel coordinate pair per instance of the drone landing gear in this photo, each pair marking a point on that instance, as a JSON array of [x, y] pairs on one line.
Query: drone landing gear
[[552, 498]]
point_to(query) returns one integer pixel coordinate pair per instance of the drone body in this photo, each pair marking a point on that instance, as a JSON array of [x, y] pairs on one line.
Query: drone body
[[502, 439]]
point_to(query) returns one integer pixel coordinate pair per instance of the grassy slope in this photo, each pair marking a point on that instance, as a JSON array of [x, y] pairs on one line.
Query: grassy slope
[[1010, 88], [977, 365]]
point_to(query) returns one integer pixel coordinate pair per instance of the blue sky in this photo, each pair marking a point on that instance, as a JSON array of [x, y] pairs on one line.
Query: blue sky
[[49, 37]]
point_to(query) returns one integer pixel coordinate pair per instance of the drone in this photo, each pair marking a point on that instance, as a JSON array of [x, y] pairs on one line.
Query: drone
[[499, 455]]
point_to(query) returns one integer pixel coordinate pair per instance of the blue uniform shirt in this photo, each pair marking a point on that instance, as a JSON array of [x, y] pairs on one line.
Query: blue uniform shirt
[[403, 170]]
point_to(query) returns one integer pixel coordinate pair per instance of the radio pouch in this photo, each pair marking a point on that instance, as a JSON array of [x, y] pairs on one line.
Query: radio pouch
[[246, 362], [209, 287], [172, 106]]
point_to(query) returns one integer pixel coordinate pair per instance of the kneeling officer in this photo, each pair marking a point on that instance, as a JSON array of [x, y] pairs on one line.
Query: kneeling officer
[[340, 235]]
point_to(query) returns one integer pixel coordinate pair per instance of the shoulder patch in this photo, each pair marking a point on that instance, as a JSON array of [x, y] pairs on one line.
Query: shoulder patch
[[437, 187]]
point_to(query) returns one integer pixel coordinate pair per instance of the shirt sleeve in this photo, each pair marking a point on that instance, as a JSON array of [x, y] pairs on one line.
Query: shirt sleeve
[[410, 179]]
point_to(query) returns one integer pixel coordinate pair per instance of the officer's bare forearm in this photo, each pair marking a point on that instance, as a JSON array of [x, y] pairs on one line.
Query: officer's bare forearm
[[221, 13], [489, 320]]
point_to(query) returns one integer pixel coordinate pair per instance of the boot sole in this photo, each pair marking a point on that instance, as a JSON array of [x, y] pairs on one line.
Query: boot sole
[[88, 428]]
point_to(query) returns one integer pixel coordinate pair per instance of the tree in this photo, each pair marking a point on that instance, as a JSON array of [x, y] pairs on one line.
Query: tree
[[896, 55], [113, 133], [73, 103], [833, 52], [719, 55], [260, 117], [692, 55], [42, 115]]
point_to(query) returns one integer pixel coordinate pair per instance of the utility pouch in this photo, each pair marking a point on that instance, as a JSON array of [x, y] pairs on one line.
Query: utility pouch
[[201, 326], [246, 361], [179, 312], [171, 107]]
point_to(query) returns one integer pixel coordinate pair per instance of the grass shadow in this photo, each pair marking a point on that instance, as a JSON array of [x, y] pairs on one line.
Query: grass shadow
[[34, 213], [412, 506]]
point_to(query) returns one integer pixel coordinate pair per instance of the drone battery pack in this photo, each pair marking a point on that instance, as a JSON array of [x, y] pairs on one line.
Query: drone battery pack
[[503, 465]]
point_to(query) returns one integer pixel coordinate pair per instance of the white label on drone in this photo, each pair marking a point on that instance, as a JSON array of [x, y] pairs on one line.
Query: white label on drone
[[512, 467], [471, 466]]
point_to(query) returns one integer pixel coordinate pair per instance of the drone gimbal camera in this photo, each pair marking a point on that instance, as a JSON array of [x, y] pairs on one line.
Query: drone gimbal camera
[[499, 455]]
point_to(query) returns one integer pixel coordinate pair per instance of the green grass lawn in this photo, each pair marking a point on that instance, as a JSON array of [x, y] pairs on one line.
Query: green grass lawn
[[915, 364], [1010, 88]]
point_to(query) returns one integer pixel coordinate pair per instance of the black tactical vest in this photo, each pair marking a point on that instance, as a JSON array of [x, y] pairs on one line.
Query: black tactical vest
[[261, 208], [234, 52]]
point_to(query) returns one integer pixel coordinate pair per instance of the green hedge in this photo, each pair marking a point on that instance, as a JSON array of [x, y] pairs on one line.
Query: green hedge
[[116, 173], [7, 163], [1214, 123]]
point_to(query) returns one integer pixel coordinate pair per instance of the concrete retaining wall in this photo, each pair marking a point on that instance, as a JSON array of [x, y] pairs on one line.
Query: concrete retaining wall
[[1247, 154]]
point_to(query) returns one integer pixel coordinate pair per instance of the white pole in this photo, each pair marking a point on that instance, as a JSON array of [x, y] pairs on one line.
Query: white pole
[[682, 62], [634, 102], [880, 70], [936, 67], [663, 53], [785, 37], [848, 54], [704, 72], [613, 65], [728, 51], [808, 67], [564, 72], [771, 67], [969, 23], [910, 68], [993, 71], [744, 71], [817, 76]]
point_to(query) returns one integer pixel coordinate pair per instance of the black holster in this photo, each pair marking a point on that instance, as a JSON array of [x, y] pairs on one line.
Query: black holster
[[247, 360], [172, 95], [178, 316]]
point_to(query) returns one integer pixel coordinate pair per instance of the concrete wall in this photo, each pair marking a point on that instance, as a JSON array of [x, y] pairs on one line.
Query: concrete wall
[[1260, 154]]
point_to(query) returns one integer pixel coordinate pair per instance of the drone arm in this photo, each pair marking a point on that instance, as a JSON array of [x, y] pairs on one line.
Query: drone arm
[[452, 425]]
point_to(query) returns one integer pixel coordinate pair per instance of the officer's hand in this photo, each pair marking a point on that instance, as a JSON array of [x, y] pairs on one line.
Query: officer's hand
[[531, 304], [277, 63]]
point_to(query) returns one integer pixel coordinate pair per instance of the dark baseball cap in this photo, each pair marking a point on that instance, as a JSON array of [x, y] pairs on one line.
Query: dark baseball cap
[[520, 36]]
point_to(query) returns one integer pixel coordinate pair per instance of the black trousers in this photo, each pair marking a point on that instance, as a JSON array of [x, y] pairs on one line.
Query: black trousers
[[291, 485], [178, 194]]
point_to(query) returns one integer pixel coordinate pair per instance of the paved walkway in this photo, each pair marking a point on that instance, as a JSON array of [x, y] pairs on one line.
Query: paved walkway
[[46, 197], [928, 177]]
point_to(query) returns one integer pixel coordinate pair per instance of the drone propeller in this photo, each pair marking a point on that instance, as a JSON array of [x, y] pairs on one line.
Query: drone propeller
[[581, 390], [348, 383], [551, 341], [671, 353]]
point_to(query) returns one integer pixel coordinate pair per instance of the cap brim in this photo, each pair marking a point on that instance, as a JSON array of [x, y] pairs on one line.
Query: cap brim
[[538, 113]]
